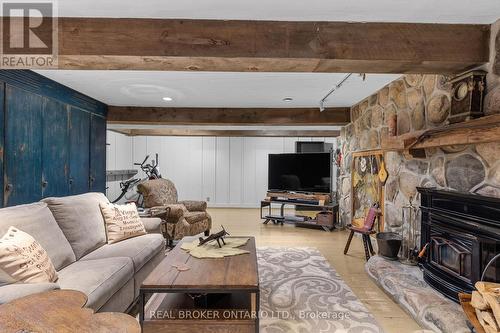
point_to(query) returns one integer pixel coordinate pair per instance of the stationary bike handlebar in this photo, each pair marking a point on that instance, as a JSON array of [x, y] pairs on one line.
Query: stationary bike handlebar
[[141, 164]]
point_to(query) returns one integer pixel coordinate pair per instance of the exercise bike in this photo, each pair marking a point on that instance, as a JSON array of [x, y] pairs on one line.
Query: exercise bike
[[129, 187]]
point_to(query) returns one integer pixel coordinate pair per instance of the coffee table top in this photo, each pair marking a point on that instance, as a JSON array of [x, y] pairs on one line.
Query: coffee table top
[[61, 311], [205, 275]]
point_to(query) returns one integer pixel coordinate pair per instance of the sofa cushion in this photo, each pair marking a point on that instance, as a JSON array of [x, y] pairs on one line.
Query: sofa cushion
[[140, 249], [14, 291], [37, 220], [99, 279], [23, 259], [81, 221], [152, 224]]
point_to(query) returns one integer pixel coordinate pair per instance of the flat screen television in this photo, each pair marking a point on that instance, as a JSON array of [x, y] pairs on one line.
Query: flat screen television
[[302, 172]]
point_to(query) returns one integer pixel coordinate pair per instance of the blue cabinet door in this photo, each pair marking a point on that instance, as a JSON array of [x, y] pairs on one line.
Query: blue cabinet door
[[2, 137], [97, 154], [23, 146], [55, 151], [79, 143]]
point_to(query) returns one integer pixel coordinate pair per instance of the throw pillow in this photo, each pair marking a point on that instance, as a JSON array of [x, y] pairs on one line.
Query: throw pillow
[[23, 259], [122, 221]]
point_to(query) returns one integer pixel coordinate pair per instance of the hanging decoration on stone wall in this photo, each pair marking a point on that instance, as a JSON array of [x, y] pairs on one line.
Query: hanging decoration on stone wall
[[382, 174], [366, 185], [467, 96]]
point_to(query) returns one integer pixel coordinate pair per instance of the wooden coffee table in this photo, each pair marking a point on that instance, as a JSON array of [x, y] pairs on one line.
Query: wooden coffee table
[[61, 311], [231, 285]]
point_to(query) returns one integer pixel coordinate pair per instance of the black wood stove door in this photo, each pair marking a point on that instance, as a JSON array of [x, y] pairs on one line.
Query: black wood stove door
[[462, 234]]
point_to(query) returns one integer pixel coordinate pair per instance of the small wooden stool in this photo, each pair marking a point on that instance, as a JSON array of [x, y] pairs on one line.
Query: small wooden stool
[[366, 230]]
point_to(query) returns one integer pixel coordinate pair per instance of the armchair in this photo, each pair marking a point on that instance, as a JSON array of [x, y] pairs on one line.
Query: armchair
[[183, 218]]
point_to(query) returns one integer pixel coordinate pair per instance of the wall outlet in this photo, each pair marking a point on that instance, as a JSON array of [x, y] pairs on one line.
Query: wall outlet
[[208, 199]]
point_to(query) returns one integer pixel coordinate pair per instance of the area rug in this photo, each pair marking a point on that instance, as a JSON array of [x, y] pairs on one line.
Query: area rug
[[301, 293]]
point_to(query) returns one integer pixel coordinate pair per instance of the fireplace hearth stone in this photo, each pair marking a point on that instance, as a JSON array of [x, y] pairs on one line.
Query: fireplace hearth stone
[[406, 286]]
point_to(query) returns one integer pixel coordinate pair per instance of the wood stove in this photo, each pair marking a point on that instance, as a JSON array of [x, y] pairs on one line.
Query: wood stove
[[462, 233]]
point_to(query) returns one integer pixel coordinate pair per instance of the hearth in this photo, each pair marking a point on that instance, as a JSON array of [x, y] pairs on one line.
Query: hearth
[[462, 233]]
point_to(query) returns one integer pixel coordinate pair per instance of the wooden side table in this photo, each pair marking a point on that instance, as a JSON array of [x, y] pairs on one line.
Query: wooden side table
[[161, 212], [61, 311]]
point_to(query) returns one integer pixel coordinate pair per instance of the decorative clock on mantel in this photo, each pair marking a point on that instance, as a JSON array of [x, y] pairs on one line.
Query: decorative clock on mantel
[[467, 96]]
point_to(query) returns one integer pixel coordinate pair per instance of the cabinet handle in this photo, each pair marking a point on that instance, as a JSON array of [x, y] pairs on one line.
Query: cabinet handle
[[44, 183], [9, 187], [92, 179]]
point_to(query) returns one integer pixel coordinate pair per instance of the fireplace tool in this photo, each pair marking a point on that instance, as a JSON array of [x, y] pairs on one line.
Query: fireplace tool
[[409, 246]]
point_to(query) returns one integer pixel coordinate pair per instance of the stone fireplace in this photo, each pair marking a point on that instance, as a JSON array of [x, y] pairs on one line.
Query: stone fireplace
[[461, 233]]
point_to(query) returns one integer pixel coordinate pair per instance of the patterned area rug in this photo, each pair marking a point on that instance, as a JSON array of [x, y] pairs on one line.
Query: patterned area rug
[[301, 293]]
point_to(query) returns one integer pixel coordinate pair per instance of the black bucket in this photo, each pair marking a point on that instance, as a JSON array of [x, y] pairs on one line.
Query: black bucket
[[389, 244]]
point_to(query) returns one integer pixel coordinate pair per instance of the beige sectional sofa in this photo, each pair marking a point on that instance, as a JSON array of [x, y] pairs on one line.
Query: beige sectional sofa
[[71, 230]]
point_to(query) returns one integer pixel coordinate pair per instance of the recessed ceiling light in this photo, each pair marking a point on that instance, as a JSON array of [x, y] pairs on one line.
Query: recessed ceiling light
[[167, 99], [287, 99]]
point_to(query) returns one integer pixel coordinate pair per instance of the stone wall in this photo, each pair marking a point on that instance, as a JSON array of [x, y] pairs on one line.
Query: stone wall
[[421, 102]]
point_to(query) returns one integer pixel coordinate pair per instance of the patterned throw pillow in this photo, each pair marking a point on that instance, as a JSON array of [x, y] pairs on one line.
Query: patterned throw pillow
[[23, 259], [122, 221]]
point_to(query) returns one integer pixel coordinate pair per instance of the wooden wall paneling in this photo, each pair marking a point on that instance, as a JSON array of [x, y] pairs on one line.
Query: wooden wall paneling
[[249, 170], [139, 151], [195, 158], [55, 148], [112, 187], [123, 152], [264, 147], [23, 146], [236, 189], [2, 140], [79, 142], [289, 145], [168, 156], [208, 168], [222, 185], [97, 154]]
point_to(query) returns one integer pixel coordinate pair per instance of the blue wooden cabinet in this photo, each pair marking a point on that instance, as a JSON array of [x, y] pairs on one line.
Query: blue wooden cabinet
[[55, 148], [52, 139], [23, 146], [97, 154], [79, 151]]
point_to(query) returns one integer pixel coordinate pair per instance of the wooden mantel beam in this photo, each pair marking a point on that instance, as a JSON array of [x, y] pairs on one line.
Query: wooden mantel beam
[[227, 133], [228, 116], [270, 46]]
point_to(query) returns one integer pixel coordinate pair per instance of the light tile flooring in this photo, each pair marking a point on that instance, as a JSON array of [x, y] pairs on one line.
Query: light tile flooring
[[246, 222]]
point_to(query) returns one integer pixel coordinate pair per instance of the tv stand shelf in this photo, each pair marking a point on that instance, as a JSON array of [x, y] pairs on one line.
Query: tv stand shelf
[[297, 220]]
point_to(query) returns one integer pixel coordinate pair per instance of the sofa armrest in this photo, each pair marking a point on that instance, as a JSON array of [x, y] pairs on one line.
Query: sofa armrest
[[174, 211], [14, 291], [152, 224], [194, 206]]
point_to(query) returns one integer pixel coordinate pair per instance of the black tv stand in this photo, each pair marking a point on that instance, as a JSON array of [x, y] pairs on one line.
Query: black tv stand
[[300, 221]]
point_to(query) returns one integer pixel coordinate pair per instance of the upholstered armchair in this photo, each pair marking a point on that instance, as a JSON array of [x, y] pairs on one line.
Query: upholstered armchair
[[183, 218]]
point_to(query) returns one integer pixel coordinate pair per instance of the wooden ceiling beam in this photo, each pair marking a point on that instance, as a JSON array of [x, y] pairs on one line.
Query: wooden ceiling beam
[[229, 116], [227, 133], [270, 46]]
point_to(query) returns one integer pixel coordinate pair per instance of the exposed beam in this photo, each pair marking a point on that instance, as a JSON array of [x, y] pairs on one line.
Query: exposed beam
[[223, 133], [228, 116], [270, 46]]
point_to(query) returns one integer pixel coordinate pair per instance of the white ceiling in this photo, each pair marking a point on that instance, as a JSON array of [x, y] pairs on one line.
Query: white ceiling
[[218, 89], [429, 11]]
